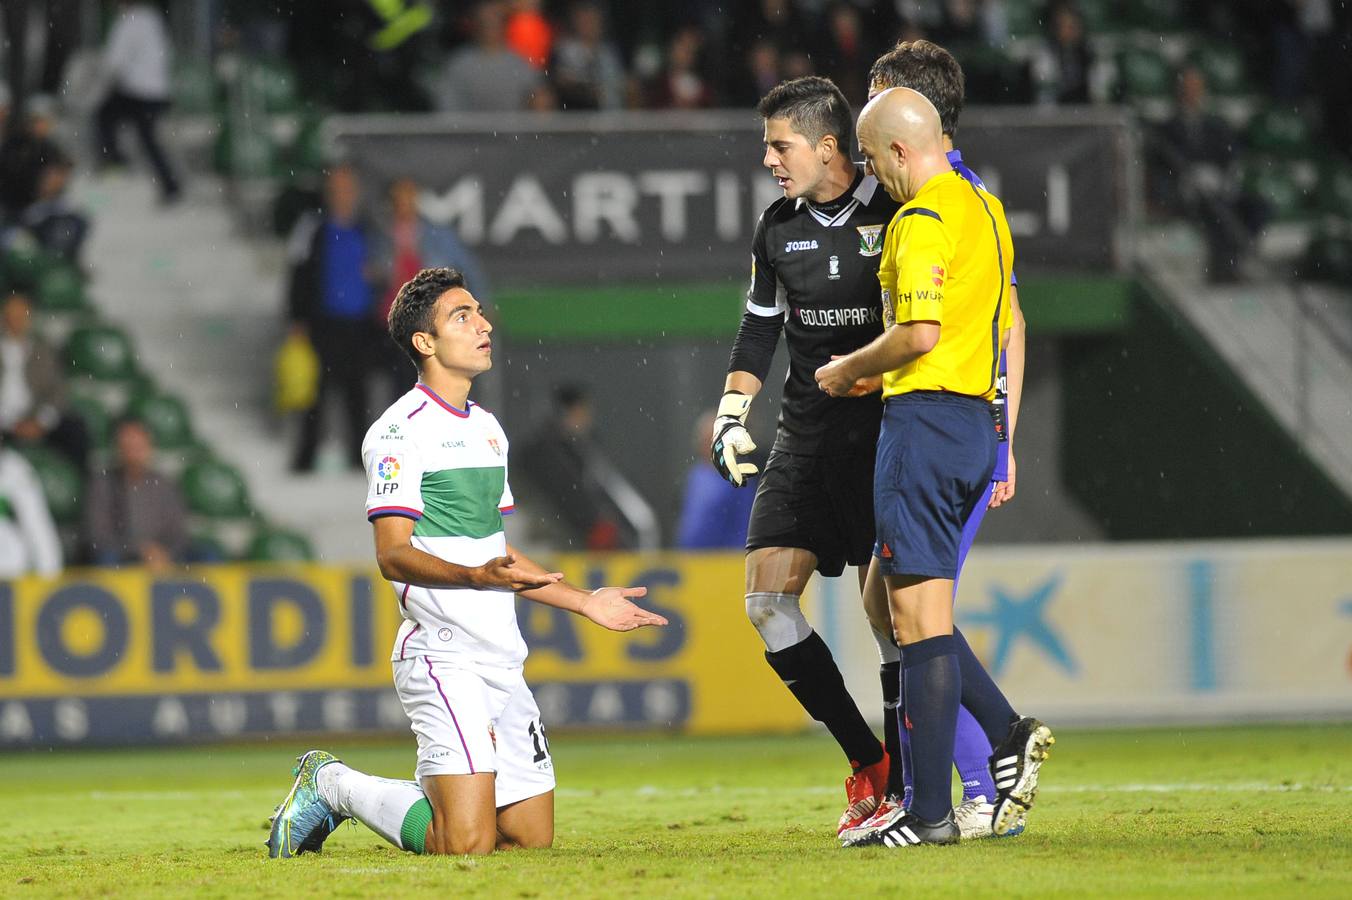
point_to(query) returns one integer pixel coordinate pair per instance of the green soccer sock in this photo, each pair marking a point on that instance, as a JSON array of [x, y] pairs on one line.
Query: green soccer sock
[[414, 831]]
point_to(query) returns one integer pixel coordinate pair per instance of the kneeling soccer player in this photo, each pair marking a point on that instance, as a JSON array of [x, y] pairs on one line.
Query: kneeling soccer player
[[436, 467]]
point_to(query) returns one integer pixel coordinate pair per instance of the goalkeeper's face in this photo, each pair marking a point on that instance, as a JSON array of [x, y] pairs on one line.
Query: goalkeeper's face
[[459, 341], [798, 165]]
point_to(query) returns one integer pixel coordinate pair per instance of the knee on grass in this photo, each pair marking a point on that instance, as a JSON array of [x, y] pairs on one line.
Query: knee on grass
[[445, 840]]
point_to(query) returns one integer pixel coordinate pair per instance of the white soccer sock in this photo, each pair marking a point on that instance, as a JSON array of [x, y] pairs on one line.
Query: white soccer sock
[[888, 651], [381, 804]]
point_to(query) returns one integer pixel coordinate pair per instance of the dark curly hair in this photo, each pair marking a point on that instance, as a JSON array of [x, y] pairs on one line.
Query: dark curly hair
[[415, 305], [927, 68]]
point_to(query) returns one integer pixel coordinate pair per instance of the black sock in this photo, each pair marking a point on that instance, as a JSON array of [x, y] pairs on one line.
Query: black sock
[[933, 689], [983, 699], [810, 672], [890, 676]]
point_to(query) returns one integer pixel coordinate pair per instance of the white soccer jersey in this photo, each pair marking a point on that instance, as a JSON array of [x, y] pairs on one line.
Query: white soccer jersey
[[446, 469]]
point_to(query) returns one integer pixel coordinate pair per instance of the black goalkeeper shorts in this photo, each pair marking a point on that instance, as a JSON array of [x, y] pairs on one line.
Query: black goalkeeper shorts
[[817, 503]]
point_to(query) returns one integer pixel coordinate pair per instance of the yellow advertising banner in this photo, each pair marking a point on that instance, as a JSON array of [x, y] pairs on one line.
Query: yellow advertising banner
[[125, 656]]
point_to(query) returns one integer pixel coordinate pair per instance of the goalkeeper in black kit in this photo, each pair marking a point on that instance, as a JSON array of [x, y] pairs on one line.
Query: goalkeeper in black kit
[[815, 258]]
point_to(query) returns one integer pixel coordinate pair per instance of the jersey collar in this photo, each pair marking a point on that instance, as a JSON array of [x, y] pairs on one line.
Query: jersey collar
[[461, 413]]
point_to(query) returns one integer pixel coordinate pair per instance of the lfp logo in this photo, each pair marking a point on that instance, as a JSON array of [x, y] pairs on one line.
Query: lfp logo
[[388, 468]]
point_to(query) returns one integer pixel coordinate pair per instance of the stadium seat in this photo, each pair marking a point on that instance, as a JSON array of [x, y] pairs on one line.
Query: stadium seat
[[271, 87], [60, 288], [215, 490], [1223, 66], [1272, 182], [244, 152], [101, 352], [24, 263], [1100, 16], [1143, 75], [278, 545], [1153, 15], [97, 421], [61, 481], [194, 88], [166, 417], [1335, 189], [1282, 132]]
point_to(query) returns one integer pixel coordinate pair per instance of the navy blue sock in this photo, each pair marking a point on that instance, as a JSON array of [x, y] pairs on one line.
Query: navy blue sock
[[983, 699], [933, 686]]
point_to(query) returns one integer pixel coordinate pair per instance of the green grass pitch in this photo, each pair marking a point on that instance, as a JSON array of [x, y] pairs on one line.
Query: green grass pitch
[[1223, 812]]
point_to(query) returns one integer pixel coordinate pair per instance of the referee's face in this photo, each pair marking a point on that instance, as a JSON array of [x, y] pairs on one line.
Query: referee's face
[[461, 340], [793, 160]]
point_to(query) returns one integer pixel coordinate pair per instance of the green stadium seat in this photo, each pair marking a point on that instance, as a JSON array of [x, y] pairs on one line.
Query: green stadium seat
[[1329, 258], [245, 152], [1144, 75], [270, 87], [215, 490], [194, 88], [278, 545], [1335, 189], [98, 423], [24, 264], [1100, 16], [1272, 182], [166, 417], [1024, 17], [61, 482], [1280, 131], [1223, 66], [101, 352], [60, 288], [1153, 15]]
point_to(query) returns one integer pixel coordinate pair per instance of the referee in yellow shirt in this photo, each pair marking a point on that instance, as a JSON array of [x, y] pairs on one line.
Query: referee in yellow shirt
[[944, 276]]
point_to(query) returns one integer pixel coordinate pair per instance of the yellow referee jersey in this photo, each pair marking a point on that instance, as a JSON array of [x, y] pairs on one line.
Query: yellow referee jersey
[[947, 259]]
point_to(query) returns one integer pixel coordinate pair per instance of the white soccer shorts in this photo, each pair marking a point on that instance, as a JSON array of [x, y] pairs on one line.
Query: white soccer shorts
[[476, 720]]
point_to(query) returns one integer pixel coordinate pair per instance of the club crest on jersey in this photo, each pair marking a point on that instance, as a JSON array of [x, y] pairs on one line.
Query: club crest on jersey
[[870, 239], [497, 448], [833, 268]]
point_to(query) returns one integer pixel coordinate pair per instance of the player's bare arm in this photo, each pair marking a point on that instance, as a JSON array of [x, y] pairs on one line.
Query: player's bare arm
[[1014, 361], [894, 348], [400, 561], [609, 607]]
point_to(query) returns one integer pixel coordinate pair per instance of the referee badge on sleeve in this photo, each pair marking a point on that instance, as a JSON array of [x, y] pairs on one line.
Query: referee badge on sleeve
[[870, 239]]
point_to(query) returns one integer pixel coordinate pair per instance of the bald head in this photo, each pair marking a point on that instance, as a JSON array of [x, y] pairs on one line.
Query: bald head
[[901, 137]]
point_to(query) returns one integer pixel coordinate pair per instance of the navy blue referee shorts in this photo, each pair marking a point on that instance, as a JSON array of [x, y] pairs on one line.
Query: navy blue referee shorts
[[936, 454]]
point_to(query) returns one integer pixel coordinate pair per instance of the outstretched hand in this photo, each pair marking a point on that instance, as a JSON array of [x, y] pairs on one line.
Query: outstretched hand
[[611, 608], [502, 573]]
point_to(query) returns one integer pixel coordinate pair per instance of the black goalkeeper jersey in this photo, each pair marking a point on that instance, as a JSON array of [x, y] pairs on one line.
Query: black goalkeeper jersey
[[814, 276]]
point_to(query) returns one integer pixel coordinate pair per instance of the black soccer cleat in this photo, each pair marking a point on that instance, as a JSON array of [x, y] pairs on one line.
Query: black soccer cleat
[[1014, 768], [906, 830]]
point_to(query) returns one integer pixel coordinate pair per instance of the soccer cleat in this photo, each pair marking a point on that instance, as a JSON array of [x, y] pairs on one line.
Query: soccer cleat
[[905, 830], [974, 818], [1014, 766], [864, 790], [885, 812], [303, 820]]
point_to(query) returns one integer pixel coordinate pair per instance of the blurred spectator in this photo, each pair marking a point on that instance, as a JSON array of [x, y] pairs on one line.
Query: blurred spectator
[[529, 33], [63, 36], [846, 53], [59, 227], [33, 388], [410, 243], [29, 544], [760, 73], [1298, 28], [1062, 65], [681, 84], [714, 514], [776, 21], [1192, 175], [587, 70], [133, 514], [488, 76], [25, 149], [564, 464], [332, 296], [136, 70]]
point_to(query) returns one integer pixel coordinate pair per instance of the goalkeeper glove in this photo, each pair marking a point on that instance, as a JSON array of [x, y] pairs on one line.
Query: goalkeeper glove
[[731, 439]]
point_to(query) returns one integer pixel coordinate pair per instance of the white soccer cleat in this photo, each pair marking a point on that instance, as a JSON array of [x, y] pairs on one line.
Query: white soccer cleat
[[974, 818]]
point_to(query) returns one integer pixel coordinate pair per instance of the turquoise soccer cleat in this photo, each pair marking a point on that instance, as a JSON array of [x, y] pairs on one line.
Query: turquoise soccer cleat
[[303, 820]]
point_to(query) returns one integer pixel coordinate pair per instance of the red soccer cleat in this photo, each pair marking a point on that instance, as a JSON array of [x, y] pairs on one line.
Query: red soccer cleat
[[864, 790]]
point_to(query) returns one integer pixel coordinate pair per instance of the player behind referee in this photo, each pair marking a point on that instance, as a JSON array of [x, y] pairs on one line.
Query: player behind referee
[[813, 277], [944, 276]]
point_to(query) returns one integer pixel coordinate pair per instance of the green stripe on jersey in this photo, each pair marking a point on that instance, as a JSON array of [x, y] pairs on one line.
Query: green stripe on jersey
[[462, 502]]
